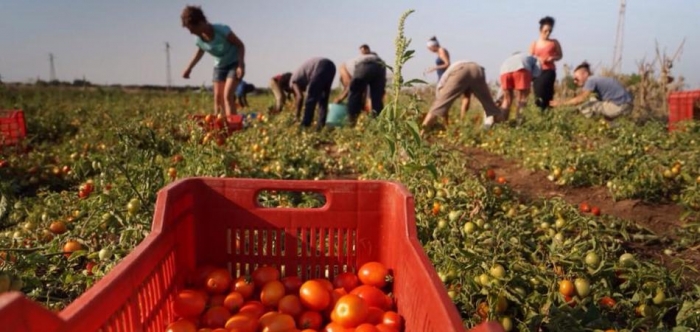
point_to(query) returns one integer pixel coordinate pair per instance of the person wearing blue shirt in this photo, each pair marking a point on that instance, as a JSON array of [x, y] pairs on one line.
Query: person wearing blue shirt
[[228, 52], [242, 91], [603, 96]]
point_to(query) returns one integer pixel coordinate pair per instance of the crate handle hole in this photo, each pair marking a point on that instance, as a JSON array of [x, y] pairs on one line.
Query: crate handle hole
[[305, 199]]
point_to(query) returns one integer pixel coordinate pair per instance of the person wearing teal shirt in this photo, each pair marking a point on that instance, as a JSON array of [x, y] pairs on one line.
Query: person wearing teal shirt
[[228, 52]]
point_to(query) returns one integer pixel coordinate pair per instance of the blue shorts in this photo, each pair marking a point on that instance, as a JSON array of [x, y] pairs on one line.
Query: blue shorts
[[225, 72]]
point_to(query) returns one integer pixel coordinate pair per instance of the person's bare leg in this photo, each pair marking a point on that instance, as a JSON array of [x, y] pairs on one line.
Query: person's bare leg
[[230, 96], [507, 102], [219, 103], [465, 105]]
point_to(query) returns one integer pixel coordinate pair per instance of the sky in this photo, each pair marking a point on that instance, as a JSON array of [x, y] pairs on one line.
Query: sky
[[123, 42]]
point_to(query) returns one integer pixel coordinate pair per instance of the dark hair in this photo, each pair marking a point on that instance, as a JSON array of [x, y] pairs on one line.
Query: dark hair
[[547, 20], [584, 65], [433, 38], [192, 15], [364, 46]]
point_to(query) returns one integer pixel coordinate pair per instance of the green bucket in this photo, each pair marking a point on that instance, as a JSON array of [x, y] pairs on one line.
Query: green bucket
[[337, 115]]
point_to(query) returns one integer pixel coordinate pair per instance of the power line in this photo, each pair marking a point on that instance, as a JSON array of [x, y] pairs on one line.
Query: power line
[[167, 63], [52, 74], [619, 38]]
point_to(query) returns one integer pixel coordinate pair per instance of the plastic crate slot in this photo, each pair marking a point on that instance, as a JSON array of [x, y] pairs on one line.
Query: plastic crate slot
[[272, 199]]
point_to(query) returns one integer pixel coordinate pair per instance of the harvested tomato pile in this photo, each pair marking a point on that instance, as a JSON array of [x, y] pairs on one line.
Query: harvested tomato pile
[[215, 301]]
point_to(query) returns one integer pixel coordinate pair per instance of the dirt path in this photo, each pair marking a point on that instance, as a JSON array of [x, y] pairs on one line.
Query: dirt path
[[661, 219]]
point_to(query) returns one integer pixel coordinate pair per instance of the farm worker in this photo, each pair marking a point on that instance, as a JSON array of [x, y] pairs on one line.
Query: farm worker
[[315, 76], [228, 52], [517, 73], [547, 51], [442, 62], [279, 85], [346, 77], [611, 99], [243, 89], [366, 70], [460, 78]]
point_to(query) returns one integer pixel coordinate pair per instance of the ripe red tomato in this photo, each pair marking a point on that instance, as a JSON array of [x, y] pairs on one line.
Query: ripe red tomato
[[350, 311], [373, 274], [233, 301], [290, 305], [607, 302], [584, 207], [347, 281], [218, 281], [198, 278], [375, 315], [314, 295], [271, 293], [292, 284], [373, 296], [490, 174], [366, 327], [335, 327], [245, 288], [216, 317], [502, 180], [327, 284], [278, 323], [595, 211], [216, 299], [253, 308], [242, 322], [386, 328], [310, 320], [393, 319], [265, 274], [182, 325]]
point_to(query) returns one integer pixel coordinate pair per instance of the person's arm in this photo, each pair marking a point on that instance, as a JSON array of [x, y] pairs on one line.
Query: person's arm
[[233, 39], [583, 96], [559, 55], [195, 59], [345, 79], [298, 99]]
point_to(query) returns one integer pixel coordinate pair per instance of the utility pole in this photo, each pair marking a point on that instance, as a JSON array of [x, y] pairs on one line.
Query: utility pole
[[619, 39], [52, 74], [167, 63]]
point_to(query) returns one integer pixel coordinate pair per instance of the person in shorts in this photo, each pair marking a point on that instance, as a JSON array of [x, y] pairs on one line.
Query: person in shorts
[[315, 77], [228, 52], [279, 85], [460, 78], [600, 96], [517, 73]]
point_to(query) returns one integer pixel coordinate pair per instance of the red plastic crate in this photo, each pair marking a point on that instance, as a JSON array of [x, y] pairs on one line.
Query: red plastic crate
[[198, 220], [683, 106], [233, 122], [12, 127]]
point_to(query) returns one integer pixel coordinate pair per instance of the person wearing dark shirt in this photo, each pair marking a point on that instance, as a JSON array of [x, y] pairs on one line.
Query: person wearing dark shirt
[[604, 96]]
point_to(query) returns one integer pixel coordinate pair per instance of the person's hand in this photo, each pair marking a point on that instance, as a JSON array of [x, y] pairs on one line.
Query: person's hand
[[550, 59], [337, 101], [186, 73], [240, 71], [554, 103]]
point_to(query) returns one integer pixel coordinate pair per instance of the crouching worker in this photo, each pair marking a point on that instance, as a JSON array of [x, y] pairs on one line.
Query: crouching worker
[[517, 73], [460, 78], [365, 71], [315, 76], [610, 98]]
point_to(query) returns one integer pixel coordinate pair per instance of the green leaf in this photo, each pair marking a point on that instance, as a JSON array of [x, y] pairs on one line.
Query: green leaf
[[414, 81]]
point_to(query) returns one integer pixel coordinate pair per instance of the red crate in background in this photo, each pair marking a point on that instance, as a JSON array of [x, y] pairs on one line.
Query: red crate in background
[[218, 221], [12, 127], [233, 122], [683, 106]]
